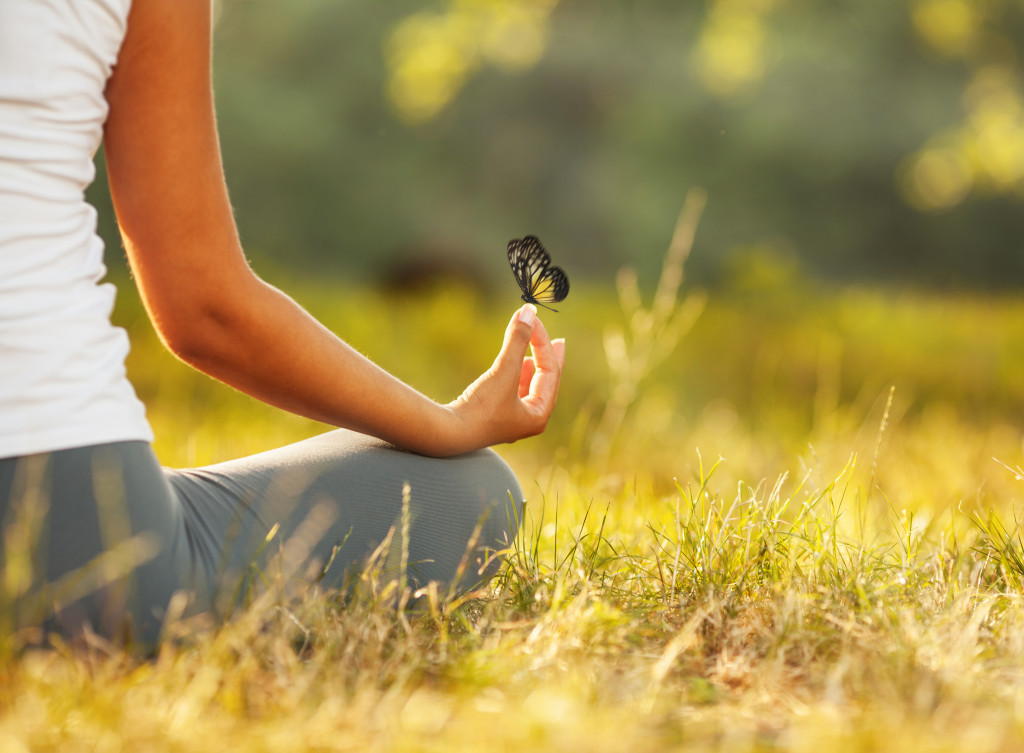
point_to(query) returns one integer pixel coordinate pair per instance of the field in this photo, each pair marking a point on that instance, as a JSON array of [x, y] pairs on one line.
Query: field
[[795, 528]]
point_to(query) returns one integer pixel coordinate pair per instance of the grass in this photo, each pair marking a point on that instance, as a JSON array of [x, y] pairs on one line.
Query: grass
[[801, 535]]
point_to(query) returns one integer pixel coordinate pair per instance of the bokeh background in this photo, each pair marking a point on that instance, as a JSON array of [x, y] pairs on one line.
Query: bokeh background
[[851, 140]]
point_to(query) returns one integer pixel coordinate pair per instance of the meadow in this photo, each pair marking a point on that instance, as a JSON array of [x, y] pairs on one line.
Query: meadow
[[774, 516]]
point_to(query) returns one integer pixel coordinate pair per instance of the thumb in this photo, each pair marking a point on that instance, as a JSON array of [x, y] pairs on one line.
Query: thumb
[[517, 338]]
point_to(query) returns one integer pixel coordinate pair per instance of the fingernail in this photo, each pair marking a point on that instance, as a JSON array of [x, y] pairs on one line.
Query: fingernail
[[528, 314]]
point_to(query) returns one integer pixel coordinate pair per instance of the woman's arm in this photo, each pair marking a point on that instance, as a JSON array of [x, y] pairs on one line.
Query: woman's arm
[[213, 312]]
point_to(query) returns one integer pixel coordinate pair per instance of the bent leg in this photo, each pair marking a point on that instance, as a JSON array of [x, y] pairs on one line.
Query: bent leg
[[103, 536], [339, 495], [98, 540]]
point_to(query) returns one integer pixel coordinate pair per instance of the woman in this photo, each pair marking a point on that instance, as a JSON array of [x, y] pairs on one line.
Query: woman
[[82, 496]]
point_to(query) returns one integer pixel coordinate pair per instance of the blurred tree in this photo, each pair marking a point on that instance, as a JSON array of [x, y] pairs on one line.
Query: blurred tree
[[862, 140], [985, 152]]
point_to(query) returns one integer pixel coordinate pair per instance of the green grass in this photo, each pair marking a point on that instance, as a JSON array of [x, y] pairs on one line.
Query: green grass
[[801, 534]]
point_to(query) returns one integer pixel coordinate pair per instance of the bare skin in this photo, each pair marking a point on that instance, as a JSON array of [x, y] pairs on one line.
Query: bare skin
[[212, 311]]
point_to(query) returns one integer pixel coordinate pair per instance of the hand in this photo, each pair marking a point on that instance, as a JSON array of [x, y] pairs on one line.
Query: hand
[[514, 398]]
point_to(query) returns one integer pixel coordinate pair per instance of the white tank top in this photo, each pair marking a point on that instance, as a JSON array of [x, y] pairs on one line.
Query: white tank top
[[62, 375]]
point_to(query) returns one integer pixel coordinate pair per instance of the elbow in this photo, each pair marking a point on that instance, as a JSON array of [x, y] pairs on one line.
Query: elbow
[[193, 338], [202, 306], [202, 332]]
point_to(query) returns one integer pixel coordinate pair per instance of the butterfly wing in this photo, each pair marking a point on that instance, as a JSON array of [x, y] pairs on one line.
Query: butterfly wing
[[550, 286], [540, 281], [528, 260]]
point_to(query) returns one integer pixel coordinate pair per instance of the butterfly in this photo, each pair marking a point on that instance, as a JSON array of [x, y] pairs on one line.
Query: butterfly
[[540, 282]]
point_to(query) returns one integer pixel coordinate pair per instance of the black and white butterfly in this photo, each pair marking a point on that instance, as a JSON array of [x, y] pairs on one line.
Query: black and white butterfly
[[540, 282]]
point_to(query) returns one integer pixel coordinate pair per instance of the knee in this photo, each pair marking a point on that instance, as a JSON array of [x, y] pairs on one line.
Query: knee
[[472, 525], [502, 500]]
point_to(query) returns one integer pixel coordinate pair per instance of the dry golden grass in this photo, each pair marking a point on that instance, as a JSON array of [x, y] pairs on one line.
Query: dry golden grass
[[796, 537]]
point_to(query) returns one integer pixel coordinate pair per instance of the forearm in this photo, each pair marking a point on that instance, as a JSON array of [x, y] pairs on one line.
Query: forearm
[[263, 343]]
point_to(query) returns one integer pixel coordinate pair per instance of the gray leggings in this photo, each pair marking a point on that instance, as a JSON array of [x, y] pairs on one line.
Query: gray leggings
[[103, 536]]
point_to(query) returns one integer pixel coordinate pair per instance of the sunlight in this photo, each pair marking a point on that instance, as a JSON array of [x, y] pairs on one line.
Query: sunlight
[[949, 26], [731, 52], [995, 128], [986, 153], [431, 55], [936, 178]]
